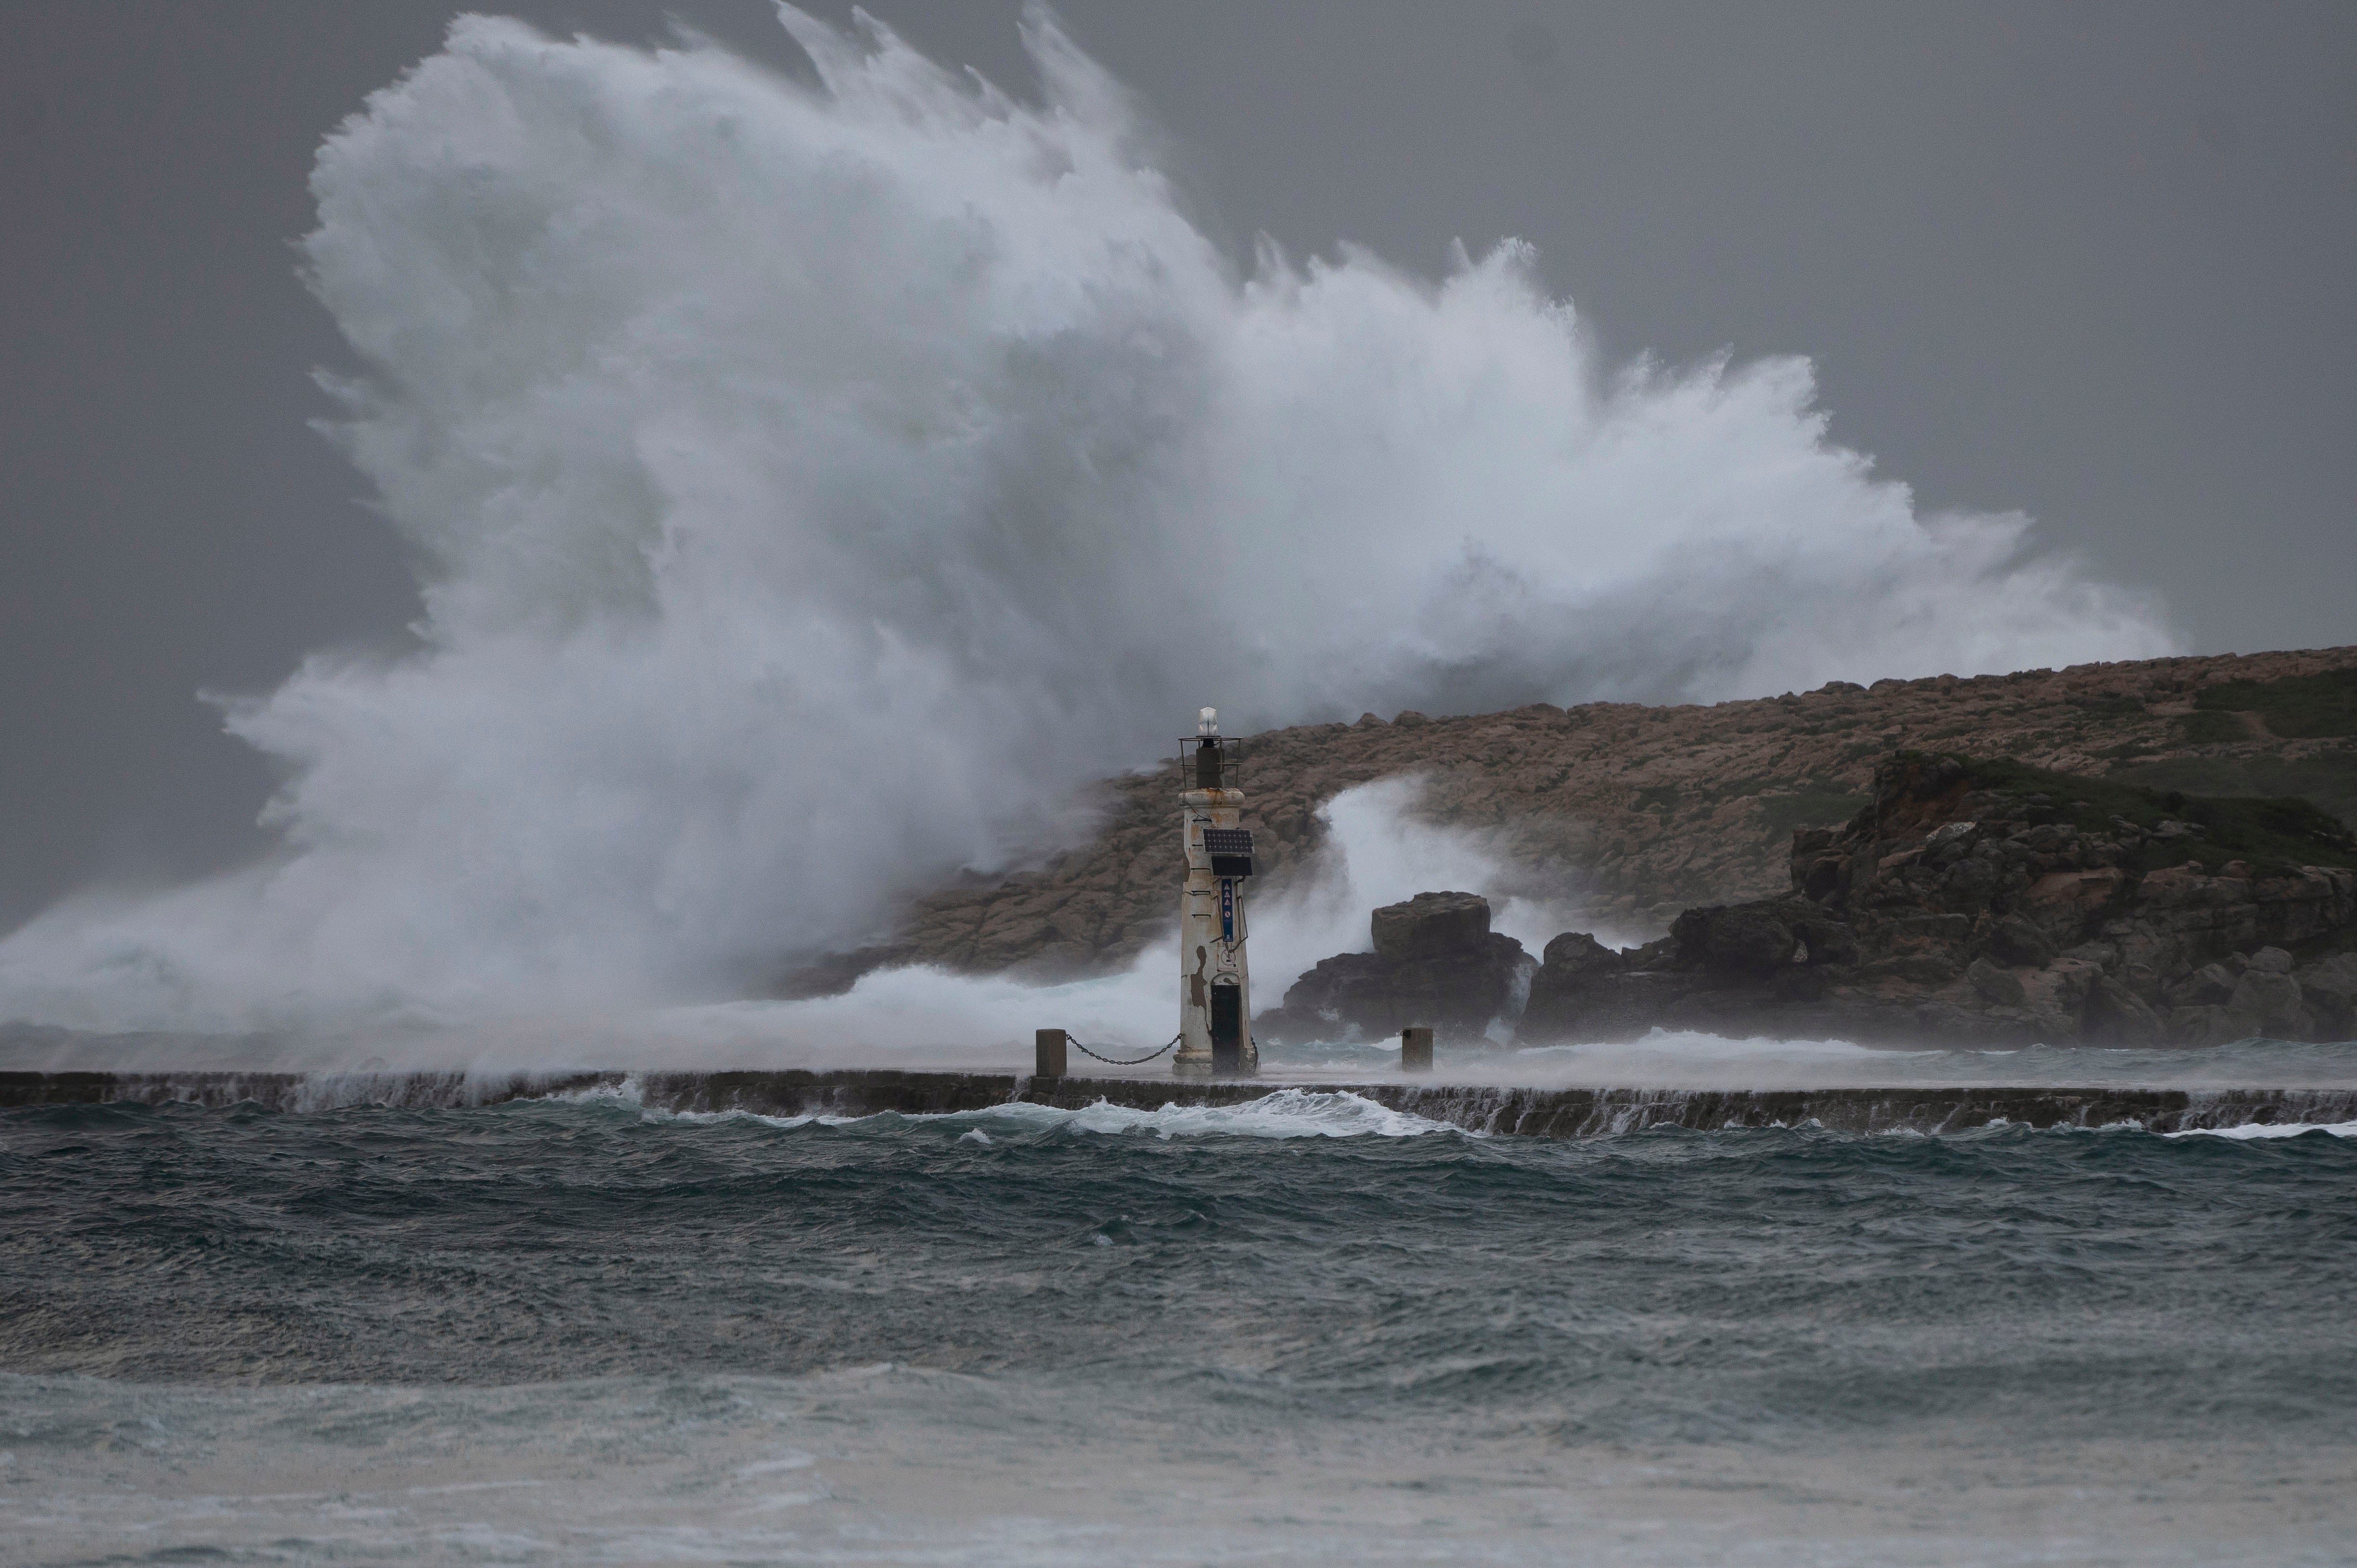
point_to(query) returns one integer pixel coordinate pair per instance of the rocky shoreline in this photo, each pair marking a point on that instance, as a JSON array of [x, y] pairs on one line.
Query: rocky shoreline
[[1636, 813], [1970, 902]]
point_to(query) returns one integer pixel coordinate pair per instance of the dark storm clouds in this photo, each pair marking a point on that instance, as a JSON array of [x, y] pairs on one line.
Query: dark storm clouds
[[2092, 262]]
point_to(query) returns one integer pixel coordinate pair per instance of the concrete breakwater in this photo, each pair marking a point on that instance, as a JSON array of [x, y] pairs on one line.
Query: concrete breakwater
[[1527, 1112]]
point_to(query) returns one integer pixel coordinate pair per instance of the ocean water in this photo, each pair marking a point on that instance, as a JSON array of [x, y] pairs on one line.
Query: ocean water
[[1306, 1330]]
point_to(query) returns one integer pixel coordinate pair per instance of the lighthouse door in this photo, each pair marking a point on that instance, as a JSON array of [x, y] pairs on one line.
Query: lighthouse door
[[1227, 1028]]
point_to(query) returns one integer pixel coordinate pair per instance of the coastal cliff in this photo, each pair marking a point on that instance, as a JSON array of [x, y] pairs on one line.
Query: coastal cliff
[[1641, 812]]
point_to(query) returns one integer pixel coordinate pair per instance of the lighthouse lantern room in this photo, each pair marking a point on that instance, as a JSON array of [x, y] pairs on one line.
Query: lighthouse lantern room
[[1214, 983]]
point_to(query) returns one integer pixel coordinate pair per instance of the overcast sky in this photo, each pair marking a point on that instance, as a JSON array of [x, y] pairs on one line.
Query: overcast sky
[[2092, 262]]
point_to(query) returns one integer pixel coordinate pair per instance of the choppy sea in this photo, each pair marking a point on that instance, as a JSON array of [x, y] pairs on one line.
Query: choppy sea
[[1306, 1330]]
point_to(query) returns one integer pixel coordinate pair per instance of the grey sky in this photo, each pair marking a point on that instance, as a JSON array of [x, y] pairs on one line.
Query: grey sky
[[2093, 260]]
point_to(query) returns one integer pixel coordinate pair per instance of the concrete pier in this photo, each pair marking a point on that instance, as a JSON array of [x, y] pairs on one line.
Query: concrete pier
[[1525, 1112]]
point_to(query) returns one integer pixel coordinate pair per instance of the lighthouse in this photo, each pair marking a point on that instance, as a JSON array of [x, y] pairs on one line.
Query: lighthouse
[[1214, 984]]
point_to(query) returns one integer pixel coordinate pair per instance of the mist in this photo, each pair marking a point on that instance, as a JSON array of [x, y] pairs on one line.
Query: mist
[[813, 483]]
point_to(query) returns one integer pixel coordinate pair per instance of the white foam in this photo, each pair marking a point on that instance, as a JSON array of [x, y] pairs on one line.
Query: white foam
[[627, 1092], [1690, 1046], [2250, 1130], [1282, 1113], [629, 1095], [1689, 1059]]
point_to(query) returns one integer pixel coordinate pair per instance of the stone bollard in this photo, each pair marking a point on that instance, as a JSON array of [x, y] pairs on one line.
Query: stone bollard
[[1415, 1049], [1049, 1047]]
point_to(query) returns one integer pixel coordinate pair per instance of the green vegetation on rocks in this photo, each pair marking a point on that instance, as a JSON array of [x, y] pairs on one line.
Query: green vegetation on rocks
[[2270, 834], [2326, 777], [1988, 901], [2297, 707]]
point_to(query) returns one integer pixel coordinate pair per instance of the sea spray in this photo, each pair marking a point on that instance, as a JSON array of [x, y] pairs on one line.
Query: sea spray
[[811, 482]]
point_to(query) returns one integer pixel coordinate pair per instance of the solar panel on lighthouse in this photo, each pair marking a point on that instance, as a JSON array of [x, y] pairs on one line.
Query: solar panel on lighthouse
[[1230, 850]]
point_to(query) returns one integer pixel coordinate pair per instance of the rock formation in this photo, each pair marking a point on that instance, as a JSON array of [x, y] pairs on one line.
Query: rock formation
[[1642, 812], [1436, 962], [1990, 903]]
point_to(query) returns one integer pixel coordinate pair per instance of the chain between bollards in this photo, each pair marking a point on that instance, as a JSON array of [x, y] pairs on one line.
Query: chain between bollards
[[1049, 1044]]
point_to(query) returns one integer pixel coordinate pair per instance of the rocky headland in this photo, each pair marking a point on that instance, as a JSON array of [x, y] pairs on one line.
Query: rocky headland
[[1971, 901], [1636, 814], [1985, 902]]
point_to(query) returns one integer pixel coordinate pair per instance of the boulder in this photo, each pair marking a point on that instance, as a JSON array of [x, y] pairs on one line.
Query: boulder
[[2001, 986], [2271, 999], [1576, 955], [1744, 939], [2208, 1025], [2211, 986], [1568, 971], [1431, 924], [2116, 1015], [2061, 903], [2017, 941], [2329, 988], [1821, 940], [1436, 963]]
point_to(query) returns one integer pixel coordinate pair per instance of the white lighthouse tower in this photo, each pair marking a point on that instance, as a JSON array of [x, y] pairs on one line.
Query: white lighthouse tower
[[1214, 986]]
